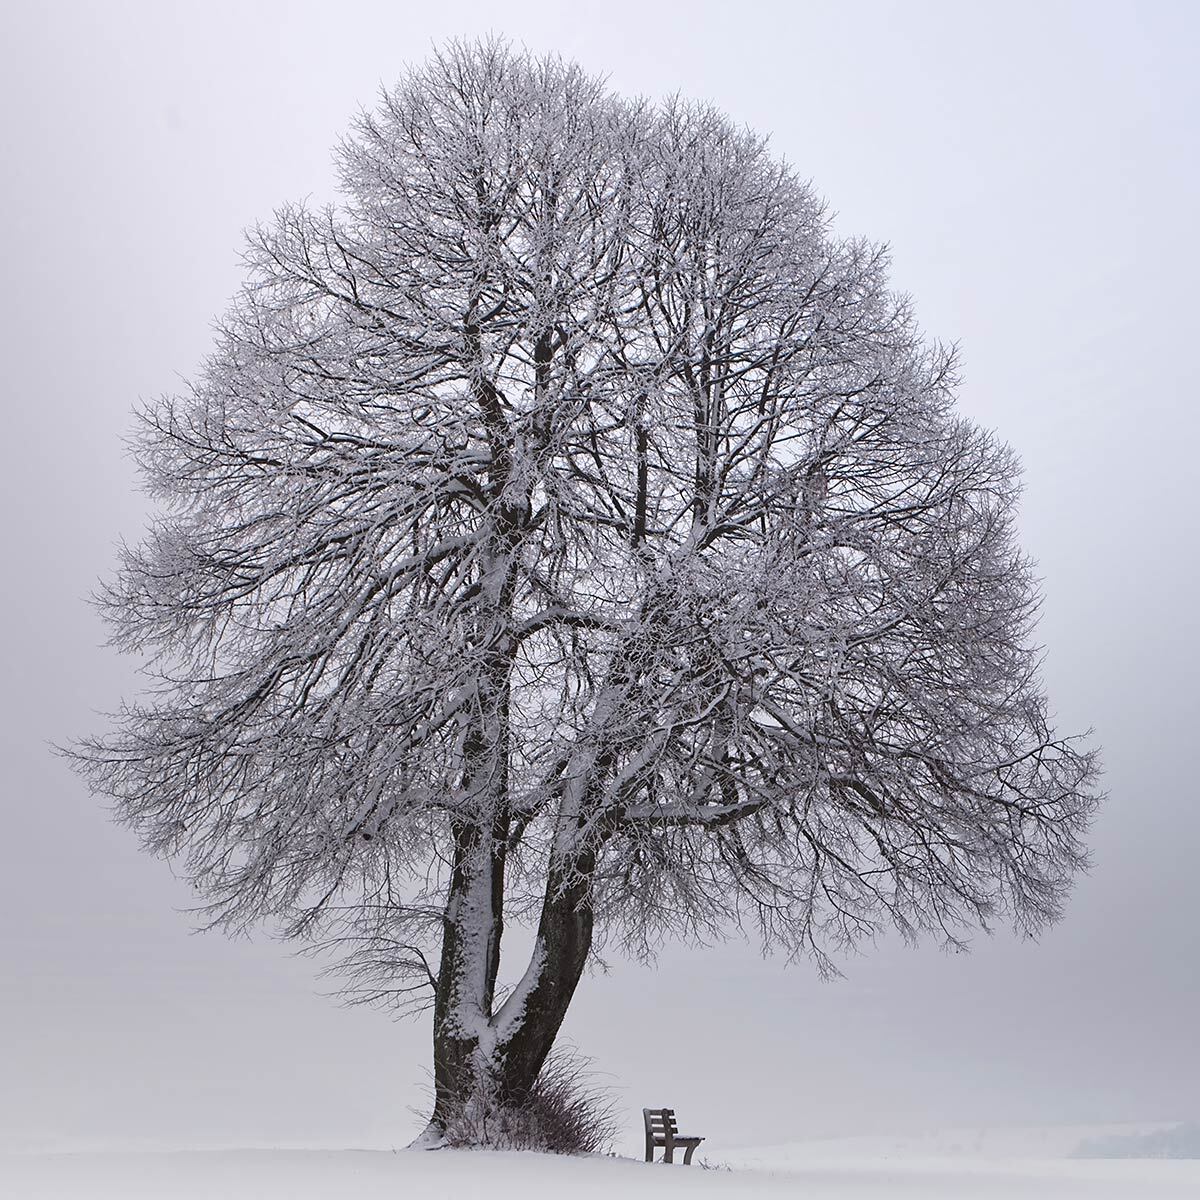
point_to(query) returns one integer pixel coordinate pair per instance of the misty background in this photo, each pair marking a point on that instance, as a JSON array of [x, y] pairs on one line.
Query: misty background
[[1033, 167]]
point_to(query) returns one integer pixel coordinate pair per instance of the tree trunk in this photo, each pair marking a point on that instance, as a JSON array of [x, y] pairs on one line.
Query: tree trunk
[[476, 1051], [564, 940], [472, 927], [498, 1055]]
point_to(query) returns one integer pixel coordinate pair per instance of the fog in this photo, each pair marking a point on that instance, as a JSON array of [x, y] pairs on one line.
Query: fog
[[1032, 166]]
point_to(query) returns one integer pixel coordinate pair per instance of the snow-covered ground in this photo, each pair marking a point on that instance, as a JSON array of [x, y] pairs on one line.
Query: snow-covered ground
[[961, 1165]]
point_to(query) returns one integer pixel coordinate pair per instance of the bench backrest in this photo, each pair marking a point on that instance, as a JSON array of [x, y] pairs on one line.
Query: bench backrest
[[660, 1122]]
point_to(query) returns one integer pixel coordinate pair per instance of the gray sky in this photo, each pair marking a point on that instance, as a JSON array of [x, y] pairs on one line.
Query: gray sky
[[1034, 168]]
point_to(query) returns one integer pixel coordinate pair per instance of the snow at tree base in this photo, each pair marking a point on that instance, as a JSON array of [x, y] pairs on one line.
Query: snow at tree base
[[849, 1170], [568, 529]]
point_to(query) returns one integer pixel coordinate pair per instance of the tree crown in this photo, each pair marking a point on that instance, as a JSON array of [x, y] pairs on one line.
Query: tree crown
[[571, 480]]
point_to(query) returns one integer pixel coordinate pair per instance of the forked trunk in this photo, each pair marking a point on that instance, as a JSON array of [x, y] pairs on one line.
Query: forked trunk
[[478, 1052]]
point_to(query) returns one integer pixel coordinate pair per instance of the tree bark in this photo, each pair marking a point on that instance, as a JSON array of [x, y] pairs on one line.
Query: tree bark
[[472, 927], [475, 1050], [564, 941]]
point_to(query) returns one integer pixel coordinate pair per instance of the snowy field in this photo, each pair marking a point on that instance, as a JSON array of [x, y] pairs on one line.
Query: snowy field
[[966, 1165]]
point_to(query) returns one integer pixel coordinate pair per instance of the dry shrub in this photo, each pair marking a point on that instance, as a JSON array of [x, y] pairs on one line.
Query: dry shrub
[[567, 1112]]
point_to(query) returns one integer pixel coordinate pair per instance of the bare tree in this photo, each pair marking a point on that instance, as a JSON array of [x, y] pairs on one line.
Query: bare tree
[[568, 528]]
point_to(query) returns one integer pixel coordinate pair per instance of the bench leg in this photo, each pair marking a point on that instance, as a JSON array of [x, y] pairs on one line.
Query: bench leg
[[669, 1153], [687, 1156]]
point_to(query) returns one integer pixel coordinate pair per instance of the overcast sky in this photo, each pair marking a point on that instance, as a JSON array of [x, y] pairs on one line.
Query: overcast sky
[[1033, 167]]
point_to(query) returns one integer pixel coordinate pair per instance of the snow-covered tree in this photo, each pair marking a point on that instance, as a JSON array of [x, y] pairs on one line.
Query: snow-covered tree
[[568, 528]]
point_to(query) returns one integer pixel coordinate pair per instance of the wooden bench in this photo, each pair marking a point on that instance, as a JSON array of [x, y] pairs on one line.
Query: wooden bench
[[661, 1130]]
